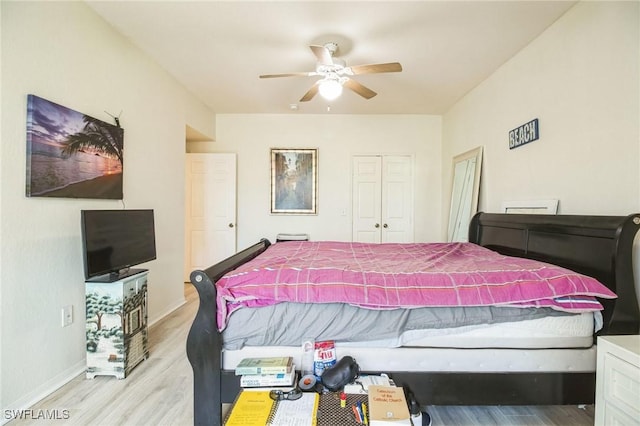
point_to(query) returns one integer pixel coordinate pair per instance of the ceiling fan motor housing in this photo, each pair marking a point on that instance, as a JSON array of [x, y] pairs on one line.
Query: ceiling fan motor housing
[[331, 47]]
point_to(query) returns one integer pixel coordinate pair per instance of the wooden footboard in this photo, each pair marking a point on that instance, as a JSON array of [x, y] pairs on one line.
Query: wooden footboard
[[599, 246], [204, 342]]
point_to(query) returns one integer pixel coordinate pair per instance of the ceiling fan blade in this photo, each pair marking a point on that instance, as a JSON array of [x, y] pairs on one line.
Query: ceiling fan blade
[[323, 54], [376, 68], [291, 74], [360, 89], [310, 94]]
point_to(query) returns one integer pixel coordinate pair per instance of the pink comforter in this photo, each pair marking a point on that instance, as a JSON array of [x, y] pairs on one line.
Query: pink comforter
[[389, 276]]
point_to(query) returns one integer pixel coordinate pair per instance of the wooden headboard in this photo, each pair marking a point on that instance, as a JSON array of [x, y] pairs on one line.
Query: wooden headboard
[[598, 246]]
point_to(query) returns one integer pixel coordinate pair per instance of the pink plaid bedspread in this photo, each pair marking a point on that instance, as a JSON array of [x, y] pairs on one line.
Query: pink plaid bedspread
[[390, 276]]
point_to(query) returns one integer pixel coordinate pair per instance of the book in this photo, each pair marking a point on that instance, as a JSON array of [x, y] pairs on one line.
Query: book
[[253, 408], [264, 380], [266, 365], [256, 408], [387, 406]]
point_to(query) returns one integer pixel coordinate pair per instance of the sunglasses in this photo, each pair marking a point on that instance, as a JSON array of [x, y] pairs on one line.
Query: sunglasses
[[292, 395]]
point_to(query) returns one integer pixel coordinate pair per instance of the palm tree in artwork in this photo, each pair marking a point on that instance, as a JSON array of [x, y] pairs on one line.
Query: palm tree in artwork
[[96, 136]]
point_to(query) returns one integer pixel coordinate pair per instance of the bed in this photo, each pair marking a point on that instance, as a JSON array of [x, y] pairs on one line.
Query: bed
[[477, 364]]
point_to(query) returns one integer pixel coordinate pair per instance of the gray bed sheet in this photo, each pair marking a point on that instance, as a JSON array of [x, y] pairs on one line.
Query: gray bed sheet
[[289, 324]]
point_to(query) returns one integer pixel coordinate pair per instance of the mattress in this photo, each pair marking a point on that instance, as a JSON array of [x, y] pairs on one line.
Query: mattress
[[494, 360], [575, 331], [549, 344], [288, 324]]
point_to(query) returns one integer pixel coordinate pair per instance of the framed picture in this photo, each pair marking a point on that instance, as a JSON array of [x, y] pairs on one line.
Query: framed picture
[[294, 181], [70, 154]]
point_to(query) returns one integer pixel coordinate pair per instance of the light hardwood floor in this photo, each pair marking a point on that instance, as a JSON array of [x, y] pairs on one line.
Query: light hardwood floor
[[159, 391]]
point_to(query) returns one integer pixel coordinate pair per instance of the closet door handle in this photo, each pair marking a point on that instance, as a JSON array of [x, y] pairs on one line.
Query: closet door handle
[[231, 225], [385, 226], [377, 225]]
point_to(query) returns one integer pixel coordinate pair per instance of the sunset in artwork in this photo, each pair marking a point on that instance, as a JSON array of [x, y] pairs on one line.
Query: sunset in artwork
[[70, 154]]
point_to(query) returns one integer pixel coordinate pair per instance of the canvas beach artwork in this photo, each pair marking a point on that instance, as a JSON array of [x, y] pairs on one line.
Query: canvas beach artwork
[[70, 154]]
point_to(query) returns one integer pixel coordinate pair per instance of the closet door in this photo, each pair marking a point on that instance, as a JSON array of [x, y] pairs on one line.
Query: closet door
[[382, 199], [367, 199], [397, 199]]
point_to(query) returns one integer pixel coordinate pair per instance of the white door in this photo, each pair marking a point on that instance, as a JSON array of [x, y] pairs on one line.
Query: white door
[[210, 209], [367, 196], [382, 199], [397, 199]]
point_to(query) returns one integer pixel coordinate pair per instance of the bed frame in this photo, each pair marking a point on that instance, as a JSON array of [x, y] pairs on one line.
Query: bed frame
[[599, 246]]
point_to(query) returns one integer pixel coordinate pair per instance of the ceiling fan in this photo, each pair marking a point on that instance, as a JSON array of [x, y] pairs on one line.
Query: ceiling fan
[[336, 75]]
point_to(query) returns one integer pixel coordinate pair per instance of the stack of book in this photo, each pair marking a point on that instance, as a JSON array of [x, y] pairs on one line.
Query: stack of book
[[266, 372]]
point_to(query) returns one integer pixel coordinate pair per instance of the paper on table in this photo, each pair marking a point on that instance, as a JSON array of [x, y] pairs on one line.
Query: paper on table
[[300, 412], [361, 384]]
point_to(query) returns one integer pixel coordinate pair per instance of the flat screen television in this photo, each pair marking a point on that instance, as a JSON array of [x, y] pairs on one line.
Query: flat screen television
[[115, 240]]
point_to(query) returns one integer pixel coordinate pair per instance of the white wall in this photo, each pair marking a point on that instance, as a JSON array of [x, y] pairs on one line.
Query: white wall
[[580, 78], [65, 53], [1, 315], [337, 138]]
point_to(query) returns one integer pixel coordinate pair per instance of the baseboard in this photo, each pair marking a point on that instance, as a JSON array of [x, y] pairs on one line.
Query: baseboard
[[167, 313], [60, 380], [42, 391]]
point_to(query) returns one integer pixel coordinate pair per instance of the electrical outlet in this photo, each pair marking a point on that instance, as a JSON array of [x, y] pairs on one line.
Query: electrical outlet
[[67, 315]]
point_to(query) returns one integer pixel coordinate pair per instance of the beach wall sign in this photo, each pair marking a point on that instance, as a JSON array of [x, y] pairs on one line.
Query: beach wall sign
[[70, 154], [528, 132]]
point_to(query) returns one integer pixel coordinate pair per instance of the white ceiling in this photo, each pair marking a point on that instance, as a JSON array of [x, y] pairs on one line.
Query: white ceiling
[[217, 49]]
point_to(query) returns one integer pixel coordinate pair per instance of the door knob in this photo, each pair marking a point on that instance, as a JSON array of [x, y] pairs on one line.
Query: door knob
[[385, 226], [377, 225], [231, 225]]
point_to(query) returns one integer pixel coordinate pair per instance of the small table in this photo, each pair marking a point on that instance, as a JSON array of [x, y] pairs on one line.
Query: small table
[[330, 413]]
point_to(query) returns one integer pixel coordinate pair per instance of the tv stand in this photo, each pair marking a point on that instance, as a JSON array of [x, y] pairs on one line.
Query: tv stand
[[115, 276], [117, 332]]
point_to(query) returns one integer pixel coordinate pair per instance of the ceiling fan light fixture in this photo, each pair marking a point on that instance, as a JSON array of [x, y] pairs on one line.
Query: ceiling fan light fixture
[[330, 89], [334, 74]]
